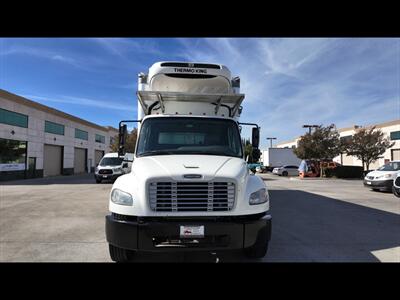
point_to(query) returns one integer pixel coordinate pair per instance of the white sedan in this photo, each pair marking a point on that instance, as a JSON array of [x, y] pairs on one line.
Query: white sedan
[[288, 170]]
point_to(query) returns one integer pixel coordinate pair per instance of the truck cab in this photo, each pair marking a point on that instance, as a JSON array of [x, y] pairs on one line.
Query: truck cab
[[189, 188]]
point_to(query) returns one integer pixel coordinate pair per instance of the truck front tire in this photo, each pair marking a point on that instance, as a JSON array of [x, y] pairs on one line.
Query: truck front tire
[[120, 255], [260, 247]]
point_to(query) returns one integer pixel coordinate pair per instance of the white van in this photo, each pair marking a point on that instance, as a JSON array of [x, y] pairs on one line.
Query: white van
[[111, 166]]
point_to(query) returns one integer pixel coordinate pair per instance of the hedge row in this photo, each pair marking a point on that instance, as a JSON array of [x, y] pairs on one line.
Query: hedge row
[[345, 172]]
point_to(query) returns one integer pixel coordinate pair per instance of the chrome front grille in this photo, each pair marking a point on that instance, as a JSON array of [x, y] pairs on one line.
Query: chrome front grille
[[191, 196], [105, 171]]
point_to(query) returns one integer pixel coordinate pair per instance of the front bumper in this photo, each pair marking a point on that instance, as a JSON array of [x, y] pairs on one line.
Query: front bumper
[[383, 185], [162, 234], [106, 176]]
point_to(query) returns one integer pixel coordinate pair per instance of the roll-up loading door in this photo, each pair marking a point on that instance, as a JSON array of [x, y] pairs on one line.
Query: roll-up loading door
[[80, 160], [395, 154], [98, 155], [52, 160]]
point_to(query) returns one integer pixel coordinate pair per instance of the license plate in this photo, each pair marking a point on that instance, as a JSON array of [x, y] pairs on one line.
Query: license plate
[[368, 182], [192, 231]]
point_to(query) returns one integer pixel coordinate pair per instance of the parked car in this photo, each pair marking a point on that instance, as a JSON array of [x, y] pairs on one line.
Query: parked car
[[253, 166], [396, 185], [261, 169], [382, 179], [289, 170]]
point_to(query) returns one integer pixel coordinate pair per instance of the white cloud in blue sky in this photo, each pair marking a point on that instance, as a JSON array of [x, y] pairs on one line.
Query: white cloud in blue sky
[[287, 82]]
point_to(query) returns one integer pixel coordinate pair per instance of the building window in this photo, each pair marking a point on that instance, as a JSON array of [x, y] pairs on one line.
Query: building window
[[100, 138], [12, 155], [346, 139], [55, 128], [395, 135], [13, 118], [81, 134]]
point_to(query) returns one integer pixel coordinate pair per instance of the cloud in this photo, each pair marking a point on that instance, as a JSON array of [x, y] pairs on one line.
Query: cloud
[[79, 101], [288, 82], [127, 49], [44, 54]]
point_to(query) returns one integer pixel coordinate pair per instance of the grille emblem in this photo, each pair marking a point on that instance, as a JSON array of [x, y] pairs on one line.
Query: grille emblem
[[192, 176]]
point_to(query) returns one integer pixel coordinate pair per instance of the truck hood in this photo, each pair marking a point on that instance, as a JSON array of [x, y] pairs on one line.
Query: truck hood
[[176, 166]]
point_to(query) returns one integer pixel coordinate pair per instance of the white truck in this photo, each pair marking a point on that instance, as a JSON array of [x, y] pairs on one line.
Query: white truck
[[189, 188], [278, 157]]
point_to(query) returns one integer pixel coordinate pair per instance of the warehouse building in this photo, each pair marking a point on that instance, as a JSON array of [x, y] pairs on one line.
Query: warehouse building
[[390, 129], [39, 141]]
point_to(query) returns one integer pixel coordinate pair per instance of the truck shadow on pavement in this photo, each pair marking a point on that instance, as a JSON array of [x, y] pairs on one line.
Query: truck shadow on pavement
[[314, 228], [307, 227]]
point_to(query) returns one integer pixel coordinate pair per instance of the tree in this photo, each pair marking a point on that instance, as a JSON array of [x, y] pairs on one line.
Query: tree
[[248, 150], [251, 154], [323, 143], [367, 145], [130, 142]]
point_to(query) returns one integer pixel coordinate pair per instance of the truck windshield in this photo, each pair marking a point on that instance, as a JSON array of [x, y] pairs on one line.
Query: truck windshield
[[179, 135], [111, 161]]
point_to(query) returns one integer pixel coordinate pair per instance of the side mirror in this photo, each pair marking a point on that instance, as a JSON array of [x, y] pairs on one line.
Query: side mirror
[[255, 137], [123, 131], [256, 153]]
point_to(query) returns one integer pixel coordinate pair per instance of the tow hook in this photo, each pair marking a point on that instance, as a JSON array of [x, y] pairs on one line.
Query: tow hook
[[216, 257]]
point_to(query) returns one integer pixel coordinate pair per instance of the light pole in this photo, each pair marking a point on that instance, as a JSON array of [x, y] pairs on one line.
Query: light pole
[[271, 138], [309, 127]]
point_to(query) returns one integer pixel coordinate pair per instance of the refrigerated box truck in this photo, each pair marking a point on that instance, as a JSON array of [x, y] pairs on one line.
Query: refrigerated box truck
[[189, 188]]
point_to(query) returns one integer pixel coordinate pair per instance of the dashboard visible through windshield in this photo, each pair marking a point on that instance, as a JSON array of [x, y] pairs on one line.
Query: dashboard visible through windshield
[[180, 135]]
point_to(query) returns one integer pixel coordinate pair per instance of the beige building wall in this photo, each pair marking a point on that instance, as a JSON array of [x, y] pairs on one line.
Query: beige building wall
[[36, 136], [386, 128]]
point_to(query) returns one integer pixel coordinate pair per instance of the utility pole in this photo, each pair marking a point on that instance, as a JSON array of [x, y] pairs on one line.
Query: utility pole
[[271, 138], [309, 127]]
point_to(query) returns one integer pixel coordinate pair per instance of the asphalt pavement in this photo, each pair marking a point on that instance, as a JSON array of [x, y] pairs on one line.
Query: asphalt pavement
[[61, 219]]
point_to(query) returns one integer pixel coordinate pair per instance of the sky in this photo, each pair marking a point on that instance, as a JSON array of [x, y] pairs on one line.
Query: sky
[[287, 82]]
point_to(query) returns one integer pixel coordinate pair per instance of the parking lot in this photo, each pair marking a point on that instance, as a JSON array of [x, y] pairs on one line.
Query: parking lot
[[61, 219]]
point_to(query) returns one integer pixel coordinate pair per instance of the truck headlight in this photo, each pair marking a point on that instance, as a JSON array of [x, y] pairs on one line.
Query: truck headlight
[[259, 197], [121, 198]]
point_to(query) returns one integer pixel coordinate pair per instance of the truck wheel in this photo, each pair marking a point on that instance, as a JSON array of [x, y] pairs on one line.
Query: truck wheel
[[284, 173], [120, 255], [260, 248]]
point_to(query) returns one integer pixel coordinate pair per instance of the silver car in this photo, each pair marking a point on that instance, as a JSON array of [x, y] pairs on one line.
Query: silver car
[[288, 170]]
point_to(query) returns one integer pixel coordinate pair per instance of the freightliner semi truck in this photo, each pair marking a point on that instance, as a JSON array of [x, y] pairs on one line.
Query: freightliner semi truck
[[189, 188]]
